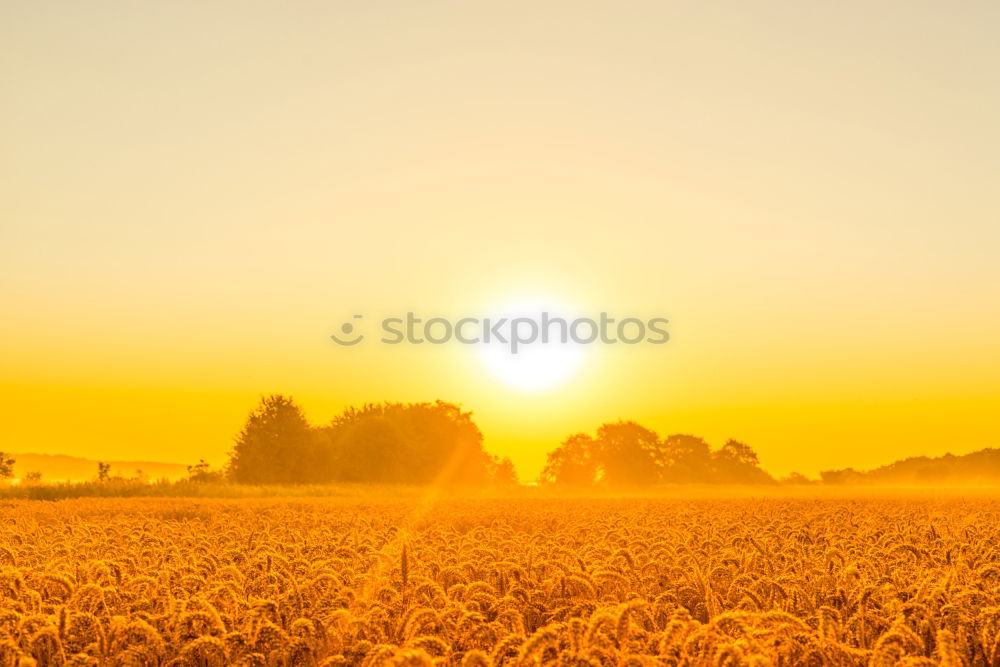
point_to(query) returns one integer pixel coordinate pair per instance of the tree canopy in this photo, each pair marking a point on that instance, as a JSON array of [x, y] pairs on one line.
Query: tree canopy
[[439, 443], [415, 443], [6, 465], [626, 454], [276, 446], [408, 443]]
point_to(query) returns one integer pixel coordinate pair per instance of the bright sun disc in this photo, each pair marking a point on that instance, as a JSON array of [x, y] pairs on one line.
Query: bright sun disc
[[535, 366]]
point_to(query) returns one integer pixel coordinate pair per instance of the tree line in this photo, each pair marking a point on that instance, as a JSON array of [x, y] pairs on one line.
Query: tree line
[[978, 467], [439, 443], [422, 443], [627, 454], [390, 443]]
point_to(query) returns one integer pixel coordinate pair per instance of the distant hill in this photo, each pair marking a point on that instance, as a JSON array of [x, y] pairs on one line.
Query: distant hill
[[61, 468], [980, 467]]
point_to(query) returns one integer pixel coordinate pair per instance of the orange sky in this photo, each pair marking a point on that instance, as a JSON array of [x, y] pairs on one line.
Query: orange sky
[[193, 196]]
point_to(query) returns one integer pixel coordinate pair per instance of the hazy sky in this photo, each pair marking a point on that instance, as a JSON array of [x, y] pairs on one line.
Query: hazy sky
[[193, 196]]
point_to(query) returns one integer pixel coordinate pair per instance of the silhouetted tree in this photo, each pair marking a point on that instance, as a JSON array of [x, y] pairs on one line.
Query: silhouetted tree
[[573, 463], [627, 454], [103, 471], [978, 467], [622, 454], [6, 465], [277, 446], [686, 459], [368, 444], [416, 443], [736, 463], [202, 473], [797, 478], [503, 472]]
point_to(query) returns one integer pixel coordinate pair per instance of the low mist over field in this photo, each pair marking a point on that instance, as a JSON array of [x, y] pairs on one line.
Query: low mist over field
[[62, 468]]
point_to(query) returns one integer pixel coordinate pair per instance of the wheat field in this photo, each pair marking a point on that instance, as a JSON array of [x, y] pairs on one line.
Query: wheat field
[[500, 582]]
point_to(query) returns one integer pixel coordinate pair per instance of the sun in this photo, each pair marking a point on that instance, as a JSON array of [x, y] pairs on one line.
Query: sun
[[537, 366]]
